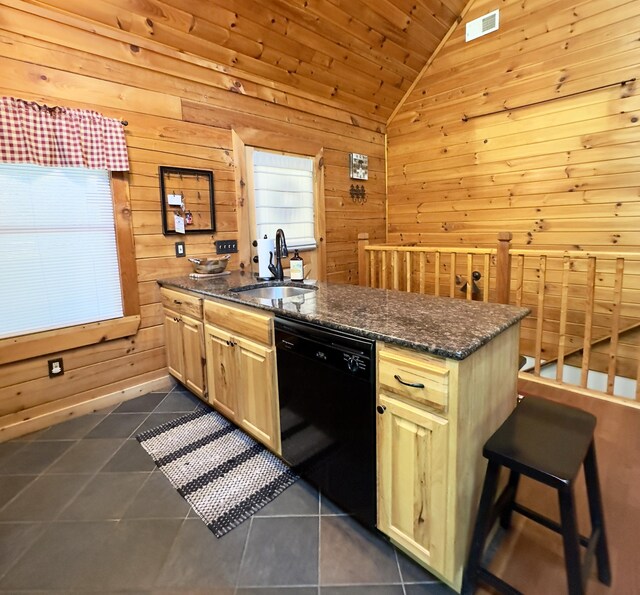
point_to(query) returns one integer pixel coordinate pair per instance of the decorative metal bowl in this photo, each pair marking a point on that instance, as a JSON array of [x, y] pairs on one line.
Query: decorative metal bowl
[[209, 266]]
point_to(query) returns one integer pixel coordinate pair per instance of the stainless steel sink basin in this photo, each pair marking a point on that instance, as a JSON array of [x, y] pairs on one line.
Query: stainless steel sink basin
[[274, 292]]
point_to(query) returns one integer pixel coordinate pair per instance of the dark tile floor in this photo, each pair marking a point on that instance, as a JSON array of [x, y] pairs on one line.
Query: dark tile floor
[[83, 509]]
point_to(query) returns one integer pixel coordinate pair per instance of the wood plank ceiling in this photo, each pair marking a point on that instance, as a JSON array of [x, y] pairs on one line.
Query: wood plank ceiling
[[355, 55]]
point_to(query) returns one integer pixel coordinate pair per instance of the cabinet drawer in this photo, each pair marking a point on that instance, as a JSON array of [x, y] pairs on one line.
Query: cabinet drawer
[[247, 322], [398, 369], [183, 303]]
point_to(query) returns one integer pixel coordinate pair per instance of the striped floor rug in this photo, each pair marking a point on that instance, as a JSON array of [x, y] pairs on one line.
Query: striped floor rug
[[224, 474]]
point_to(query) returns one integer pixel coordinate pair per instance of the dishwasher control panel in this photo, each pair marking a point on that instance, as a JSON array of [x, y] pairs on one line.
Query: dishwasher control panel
[[340, 351], [355, 362]]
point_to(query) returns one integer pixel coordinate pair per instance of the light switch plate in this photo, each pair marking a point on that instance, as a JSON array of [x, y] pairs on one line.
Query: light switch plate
[[180, 250], [226, 246]]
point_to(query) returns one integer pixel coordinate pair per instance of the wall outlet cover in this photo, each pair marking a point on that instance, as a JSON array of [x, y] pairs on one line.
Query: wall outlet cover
[[56, 367], [180, 250]]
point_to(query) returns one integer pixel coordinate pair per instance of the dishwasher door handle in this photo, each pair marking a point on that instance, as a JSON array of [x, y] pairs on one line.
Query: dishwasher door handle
[[411, 384]]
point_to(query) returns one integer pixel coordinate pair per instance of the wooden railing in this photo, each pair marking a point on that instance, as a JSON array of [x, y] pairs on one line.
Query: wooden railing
[[584, 326], [437, 271]]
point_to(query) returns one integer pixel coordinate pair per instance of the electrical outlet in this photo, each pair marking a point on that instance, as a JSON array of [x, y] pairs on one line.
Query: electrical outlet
[[180, 250], [56, 367], [226, 246]]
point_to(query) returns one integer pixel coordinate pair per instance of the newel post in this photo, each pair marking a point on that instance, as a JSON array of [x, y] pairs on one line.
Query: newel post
[[363, 269], [503, 267]]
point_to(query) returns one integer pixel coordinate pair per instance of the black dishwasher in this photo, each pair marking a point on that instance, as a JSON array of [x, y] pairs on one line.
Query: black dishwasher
[[326, 382]]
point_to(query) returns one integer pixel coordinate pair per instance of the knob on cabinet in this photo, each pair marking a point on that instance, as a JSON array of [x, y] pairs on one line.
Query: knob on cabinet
[[381, 409]]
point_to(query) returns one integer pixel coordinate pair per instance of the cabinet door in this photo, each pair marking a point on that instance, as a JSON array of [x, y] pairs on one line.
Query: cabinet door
[[258, 405], [412, 479], [193, 342], [173, 342], [221, 371]]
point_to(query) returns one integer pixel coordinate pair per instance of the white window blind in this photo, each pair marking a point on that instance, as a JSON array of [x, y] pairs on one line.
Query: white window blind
[[58, 248], [283, 195]]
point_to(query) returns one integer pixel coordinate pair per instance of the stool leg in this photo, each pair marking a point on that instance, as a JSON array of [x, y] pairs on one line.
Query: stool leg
[[570, 540], [597, 515], [507, 511], [481, 529]]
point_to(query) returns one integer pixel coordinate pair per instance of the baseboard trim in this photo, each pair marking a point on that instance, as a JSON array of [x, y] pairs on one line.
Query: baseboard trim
[[26, 426]]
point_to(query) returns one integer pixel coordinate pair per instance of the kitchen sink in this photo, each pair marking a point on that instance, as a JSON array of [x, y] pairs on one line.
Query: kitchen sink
[[274, 292]]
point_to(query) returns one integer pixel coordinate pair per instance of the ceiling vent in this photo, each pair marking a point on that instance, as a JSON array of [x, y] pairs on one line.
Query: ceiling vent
[[483, 25]]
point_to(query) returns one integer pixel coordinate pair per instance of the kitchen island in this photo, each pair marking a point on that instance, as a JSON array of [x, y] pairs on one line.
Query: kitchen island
[[446, 378]]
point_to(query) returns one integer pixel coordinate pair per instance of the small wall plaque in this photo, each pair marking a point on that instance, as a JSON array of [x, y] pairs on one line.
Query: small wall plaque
[[358, 166]]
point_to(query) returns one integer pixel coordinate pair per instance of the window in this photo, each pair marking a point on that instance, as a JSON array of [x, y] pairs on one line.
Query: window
[[68, 274], [315, 260], [58, 241], [283, 196]]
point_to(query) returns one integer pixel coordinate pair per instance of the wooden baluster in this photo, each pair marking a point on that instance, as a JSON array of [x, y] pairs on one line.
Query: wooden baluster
[[367, 264], [452, 276], [562, 330], [487, 277], [520, 278], [469, 294], [363, 241], [383, 271], [407, 265], [423, 271], [503, 267], [396, 269], [588, 321], [373, 261], [615, 325], [363, 269], [437, 274], [540, 320]]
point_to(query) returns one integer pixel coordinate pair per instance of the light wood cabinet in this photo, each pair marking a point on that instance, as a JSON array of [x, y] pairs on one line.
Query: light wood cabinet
[[412, 484], [241, 369], [434, 416], [184, 339], [423, 381], [222, 371], [258, 412]]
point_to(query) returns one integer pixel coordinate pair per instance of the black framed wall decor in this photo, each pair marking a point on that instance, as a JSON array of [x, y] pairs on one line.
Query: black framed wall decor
[[186, 198]]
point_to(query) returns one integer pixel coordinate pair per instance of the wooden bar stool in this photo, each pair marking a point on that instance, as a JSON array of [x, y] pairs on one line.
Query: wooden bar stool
[[547, 442]]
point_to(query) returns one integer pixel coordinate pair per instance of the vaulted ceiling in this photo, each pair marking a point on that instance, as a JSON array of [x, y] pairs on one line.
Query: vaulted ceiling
[[360, 54]]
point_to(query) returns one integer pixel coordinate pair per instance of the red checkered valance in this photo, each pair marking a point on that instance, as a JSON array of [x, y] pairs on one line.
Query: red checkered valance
[[60, 137]]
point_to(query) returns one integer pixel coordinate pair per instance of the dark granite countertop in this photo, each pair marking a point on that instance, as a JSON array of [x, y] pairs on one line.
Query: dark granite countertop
[[452, 328]]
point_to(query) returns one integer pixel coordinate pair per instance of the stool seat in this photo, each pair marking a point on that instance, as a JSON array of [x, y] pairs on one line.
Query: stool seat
[[544, 440], [548, 442]]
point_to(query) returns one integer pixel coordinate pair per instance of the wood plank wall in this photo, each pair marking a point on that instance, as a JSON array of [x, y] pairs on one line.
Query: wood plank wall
[[527, 130], [181, 109]]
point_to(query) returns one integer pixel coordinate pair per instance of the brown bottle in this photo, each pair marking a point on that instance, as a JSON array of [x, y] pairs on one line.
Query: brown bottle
[[296, 267]]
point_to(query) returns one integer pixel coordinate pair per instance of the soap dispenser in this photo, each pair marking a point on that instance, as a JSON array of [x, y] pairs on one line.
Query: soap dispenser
[[296, 267]]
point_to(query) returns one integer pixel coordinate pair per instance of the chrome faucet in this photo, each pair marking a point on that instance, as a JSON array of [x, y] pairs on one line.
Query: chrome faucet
[[281, 250]]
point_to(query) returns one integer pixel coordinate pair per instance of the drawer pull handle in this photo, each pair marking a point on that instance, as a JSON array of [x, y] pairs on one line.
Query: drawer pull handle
[[177, 302], [411, 384]]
